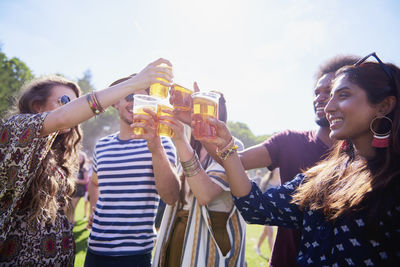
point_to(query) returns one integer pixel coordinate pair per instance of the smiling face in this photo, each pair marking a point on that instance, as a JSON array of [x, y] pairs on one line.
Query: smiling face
[[125, 109], [321, 96], [349, 112]]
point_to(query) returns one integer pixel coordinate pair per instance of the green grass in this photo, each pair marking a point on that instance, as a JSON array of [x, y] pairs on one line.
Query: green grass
[[252, 233], [80, 235]]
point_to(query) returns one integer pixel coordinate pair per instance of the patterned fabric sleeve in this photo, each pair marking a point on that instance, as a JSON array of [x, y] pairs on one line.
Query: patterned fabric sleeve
[[273, 207], [21, 151], [217, 174]]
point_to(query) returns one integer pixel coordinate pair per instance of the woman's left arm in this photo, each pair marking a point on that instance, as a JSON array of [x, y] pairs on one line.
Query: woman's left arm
[[273, 207], [201, 184]]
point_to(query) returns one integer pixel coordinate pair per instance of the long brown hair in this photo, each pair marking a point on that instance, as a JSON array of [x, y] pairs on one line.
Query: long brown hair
[[343, 182], [46, 195]]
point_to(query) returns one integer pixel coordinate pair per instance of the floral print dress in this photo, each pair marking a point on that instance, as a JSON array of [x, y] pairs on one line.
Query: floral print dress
[[21, 153]]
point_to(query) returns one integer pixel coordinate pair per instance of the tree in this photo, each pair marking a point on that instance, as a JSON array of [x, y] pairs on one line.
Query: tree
[[98, 126], [242, 131], [13, 74]]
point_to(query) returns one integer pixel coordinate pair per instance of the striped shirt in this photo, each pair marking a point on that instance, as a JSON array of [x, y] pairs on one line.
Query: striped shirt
[[123, 222]]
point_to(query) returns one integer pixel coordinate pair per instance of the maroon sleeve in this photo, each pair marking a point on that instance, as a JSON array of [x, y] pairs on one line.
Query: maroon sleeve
[[274, 147]]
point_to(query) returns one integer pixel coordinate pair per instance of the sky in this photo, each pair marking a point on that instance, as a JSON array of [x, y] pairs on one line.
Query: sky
[[261, 54]]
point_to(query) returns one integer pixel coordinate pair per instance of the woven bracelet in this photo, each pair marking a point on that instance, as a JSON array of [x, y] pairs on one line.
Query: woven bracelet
[[99, 107], [227, 151], [92, 105]]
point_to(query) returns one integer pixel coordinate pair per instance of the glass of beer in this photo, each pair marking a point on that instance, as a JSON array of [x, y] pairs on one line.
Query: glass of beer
[[162, 129], [205, 105], [139, 103], [159, 90], [182, 98]]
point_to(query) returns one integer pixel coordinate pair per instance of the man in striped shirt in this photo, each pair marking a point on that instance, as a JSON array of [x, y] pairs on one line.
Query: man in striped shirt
[[128, 177]]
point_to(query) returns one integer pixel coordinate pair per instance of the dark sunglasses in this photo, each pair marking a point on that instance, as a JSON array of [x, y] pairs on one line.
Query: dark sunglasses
[[63, 100], [383, 65], [129, 98]]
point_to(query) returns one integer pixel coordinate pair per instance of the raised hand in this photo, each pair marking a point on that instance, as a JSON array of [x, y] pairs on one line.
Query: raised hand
[[161, 68], [175, 124], [223, 134], [149, 123]]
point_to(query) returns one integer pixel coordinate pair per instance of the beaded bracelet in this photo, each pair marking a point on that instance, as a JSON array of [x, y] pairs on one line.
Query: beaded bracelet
[[227, 150], [94, 104], [96, 101], [192, 166]]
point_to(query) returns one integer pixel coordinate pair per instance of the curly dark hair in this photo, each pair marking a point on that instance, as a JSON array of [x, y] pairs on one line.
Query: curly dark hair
[[335, 63]]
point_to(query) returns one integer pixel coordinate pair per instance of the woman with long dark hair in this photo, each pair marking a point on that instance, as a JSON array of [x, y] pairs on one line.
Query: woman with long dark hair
[[38, 159], [348, 205]]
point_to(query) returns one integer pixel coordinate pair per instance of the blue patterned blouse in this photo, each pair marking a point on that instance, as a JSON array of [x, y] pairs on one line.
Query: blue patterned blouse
[[347, 242]]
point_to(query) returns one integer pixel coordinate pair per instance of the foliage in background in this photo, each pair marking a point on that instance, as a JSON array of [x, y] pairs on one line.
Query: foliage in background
[[13, 74], [242, 131]]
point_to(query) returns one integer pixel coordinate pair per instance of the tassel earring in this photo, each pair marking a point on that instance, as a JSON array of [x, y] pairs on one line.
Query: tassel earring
[[381, 140], [345, 146]]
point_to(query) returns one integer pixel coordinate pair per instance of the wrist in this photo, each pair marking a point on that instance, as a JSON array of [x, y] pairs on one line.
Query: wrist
[[156, 149], [225, 145], [227, 151], [192, 166]]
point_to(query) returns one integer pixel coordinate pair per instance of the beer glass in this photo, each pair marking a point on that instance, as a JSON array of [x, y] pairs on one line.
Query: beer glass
[[182, 98], [162, 129], [139, 103], [205, 105], [159, 90]]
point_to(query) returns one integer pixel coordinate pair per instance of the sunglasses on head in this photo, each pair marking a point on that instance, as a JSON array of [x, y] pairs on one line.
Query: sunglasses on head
[[383, 65], [63, 100]]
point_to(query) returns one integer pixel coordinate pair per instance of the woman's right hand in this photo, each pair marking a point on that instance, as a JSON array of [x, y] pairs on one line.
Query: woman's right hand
[[161, 68], [175, 124], [223, 137]]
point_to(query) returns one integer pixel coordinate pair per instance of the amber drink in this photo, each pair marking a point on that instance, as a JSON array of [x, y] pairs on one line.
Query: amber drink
[[182, 98], [162, 129], [139, 103], [205, 106], [159, 90]]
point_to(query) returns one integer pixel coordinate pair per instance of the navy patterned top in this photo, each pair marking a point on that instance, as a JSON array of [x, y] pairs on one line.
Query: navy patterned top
[[347, 242]]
